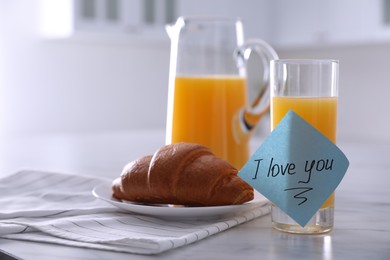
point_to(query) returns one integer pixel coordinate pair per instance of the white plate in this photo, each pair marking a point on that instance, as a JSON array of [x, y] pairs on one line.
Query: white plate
[[104, 192]]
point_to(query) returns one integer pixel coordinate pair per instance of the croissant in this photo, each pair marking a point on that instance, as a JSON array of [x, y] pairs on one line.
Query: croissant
[[185, 174]]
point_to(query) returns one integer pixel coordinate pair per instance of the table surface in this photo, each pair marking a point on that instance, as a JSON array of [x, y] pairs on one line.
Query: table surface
[[362, 226]]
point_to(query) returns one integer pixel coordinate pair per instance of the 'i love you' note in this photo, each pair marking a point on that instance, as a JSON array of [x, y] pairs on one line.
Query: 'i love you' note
[[297, 168]]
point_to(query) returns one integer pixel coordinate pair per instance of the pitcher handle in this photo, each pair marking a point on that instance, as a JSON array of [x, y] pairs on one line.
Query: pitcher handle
[[248, 117]]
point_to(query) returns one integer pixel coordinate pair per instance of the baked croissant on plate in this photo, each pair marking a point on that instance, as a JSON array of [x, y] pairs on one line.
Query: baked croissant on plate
[[184, 174]]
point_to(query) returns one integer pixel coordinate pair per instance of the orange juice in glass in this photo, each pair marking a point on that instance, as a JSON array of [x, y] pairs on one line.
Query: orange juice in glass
[[310, 89]]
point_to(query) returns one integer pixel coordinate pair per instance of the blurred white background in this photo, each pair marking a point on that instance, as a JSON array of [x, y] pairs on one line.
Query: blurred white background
[[62, 73]]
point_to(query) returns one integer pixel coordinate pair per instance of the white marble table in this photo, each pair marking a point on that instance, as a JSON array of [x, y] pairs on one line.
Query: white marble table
[[362, 226]]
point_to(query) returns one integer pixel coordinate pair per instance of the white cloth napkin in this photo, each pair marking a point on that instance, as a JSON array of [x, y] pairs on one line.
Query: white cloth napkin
[[60, 208]]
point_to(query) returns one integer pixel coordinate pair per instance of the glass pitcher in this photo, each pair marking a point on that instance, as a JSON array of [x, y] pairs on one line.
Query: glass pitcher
[[208, 101]]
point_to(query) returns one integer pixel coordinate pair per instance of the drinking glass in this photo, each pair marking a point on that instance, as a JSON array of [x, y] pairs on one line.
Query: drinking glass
[[310, 89]]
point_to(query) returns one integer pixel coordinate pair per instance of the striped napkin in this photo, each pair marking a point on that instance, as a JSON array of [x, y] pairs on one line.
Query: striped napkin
[[59, 208]]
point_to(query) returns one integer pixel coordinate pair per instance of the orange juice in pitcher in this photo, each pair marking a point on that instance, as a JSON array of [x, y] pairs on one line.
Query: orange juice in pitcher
[[207, 98], [203, 110]]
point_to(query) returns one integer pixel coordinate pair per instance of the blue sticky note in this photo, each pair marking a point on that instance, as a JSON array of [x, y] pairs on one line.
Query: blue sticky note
[[297, 168]]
